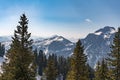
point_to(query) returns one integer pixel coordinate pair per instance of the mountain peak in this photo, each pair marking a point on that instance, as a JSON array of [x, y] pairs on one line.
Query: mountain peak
[[97, 44], [106, 29], [56, 38]]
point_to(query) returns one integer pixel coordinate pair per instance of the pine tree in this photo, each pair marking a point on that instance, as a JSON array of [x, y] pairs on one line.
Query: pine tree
[[101, 71], [90, 72], [51, 69], [63, 66], [41, 62], [114, 57], [78, 70], [97, 71], [19, 65], [2, 50]]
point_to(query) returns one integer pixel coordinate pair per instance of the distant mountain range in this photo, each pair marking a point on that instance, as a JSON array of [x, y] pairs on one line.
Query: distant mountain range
[[96, 45]]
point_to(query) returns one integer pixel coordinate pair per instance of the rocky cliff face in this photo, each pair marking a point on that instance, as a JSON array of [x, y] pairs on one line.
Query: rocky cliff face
[[97, 44]]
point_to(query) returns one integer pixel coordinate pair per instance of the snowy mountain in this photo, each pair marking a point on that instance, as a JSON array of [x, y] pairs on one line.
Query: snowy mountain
[[97, 44], [56, 44]]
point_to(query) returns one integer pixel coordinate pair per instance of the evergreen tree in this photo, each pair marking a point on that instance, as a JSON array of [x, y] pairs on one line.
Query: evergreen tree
[[2, 50], [63, 66], [78, 70], [41, 62], [114, 57], [97, 71], [90, 72], [19, 65], [101, 71], [51, 69]]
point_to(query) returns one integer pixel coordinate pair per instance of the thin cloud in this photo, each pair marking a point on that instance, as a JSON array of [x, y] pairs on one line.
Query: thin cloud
[[88, 20]]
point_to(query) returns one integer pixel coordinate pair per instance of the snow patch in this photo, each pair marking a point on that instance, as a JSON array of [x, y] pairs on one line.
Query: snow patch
[[70, 44], [1, 62], [85, 51], [98, 33], [38, 77], [108, 43], [112, 31], [58, 39], [106, 36], [48, 42], [46, 51]]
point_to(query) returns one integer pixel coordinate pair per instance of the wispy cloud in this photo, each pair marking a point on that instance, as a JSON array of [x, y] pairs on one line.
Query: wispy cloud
[[88, 20]]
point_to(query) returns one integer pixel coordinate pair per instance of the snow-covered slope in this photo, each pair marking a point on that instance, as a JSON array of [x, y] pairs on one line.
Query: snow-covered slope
[[56, 44], [97, 44]]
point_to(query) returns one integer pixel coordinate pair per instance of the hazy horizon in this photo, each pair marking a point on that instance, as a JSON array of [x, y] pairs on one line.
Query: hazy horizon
[[68, 18]]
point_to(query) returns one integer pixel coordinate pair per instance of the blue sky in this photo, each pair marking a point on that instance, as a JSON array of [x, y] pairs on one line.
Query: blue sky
[[68, 18]]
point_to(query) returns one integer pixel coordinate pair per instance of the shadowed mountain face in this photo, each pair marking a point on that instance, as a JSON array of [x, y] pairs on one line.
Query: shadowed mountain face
[[57, 45], [96, 45]]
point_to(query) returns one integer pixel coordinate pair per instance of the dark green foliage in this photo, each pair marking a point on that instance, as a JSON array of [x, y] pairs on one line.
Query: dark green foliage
[[90, 72], [51, 71], [63, 66], [78, 70], [19, 65], [2, 50], [97, 71], [60, 63], [101, 72], [114, 57], [41, 61]]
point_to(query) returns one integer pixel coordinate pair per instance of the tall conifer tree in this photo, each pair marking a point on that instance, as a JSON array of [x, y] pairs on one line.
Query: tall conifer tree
[[101, 72], [78, 69], [2, 50], [114, 57], [63, 66], [51, 71], [19, 65]]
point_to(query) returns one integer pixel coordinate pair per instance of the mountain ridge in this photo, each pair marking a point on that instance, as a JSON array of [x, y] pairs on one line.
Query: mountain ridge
[[96, 45]]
